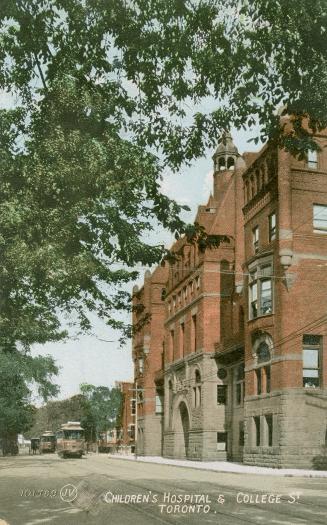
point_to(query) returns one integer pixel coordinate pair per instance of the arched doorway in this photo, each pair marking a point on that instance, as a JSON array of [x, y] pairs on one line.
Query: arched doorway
[[182, 431]]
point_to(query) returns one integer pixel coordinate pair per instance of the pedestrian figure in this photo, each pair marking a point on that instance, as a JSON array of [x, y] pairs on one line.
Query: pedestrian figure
[[34, 445]]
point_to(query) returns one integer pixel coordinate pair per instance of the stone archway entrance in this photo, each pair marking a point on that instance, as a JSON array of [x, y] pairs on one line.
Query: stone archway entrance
[[182, 431]]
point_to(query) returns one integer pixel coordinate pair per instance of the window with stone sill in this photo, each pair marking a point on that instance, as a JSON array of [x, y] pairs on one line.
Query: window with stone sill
[[312, 159], [255, 239], [159, 403], [311, 361], [267, 372], [269, 429], [260, 291], [272, 227], [256, 421], [263, 372], [172, 343], [320, 218], [182, 339], [194, 333]]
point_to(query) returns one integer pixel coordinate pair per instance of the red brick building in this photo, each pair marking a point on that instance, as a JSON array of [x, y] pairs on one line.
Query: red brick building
[[149, 316], [125, 431], [243, 326]]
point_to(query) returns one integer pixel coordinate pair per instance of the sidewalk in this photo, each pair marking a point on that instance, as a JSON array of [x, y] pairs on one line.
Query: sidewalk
[[225, 466]]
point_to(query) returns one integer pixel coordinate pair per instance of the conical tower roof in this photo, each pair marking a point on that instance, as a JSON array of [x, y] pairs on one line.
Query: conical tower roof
[[226, 146]]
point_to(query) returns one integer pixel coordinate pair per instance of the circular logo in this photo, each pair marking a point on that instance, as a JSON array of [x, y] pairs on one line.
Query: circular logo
[[68, 493]]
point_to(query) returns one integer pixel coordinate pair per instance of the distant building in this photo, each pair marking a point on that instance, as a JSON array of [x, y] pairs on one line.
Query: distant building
[[124, 434], [237, 334]]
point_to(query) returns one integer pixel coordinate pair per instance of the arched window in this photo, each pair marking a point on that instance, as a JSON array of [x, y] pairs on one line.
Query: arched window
[[263, 371], [231, 163], [264, 173], [253, 189], [197, 389], [258, 180], [247, 191], [222, 164], [263, 352]]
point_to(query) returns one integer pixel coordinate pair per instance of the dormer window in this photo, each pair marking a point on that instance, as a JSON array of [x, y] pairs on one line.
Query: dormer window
[[312, 159]]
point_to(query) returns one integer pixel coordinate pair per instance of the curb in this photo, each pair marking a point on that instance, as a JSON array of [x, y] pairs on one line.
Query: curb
[[296, 473]]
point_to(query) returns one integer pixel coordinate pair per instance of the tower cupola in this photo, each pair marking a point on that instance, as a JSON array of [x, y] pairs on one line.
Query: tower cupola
[[225, 156]]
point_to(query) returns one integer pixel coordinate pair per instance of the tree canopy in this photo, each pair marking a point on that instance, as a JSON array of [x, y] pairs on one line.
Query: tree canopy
[[96, 407], [103, 407], [108, 93], [17, 373]]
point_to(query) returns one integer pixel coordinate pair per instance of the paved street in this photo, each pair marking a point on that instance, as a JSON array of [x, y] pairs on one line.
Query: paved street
[[117, 492]]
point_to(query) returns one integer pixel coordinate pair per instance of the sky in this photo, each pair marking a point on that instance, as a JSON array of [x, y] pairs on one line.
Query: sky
[[99, 359]]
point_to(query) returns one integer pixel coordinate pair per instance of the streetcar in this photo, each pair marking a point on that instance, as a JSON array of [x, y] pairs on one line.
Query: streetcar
[[47, 442], [70, 440]]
